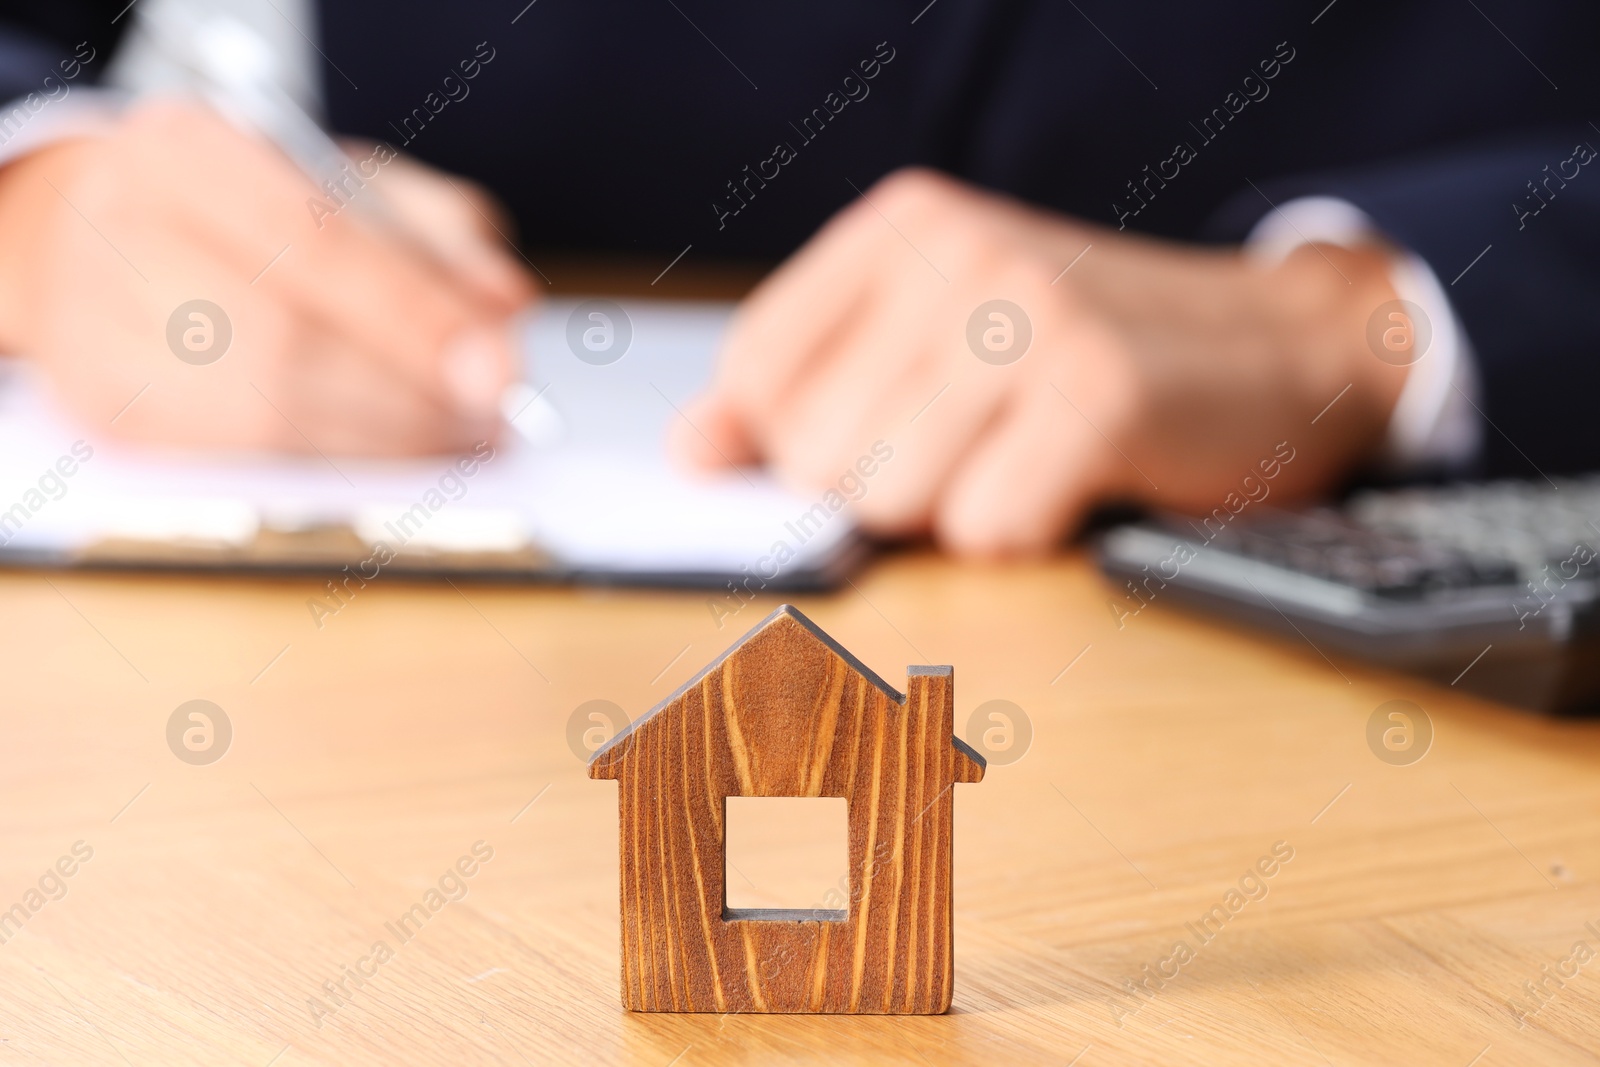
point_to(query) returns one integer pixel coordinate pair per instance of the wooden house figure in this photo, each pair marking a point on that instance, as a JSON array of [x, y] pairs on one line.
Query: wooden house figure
[[787, 712]]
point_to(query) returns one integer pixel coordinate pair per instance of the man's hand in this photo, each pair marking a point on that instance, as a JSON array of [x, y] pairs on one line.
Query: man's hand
[[1155, 372], [345, 338]]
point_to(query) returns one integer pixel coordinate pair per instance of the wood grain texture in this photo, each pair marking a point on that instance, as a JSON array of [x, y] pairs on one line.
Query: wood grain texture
[[1166, 760], [787, 712]]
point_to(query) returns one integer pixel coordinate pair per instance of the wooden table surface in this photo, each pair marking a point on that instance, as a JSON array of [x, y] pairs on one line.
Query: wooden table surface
[[369, 757]]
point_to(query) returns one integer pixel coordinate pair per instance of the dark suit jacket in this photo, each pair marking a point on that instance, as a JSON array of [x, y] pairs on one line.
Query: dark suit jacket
[[1461, 126]]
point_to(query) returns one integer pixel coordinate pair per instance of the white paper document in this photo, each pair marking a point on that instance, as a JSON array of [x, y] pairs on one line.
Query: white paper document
[[596, 497]]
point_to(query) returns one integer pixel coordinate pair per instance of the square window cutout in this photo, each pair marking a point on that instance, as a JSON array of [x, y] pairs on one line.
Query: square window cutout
[[787, 858]]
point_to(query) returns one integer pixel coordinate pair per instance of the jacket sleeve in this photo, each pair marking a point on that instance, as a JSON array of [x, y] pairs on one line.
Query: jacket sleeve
[[1512, 230], [37, 38]]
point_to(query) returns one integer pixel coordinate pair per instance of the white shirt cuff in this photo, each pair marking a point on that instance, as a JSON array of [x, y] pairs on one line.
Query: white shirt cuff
[[44, 120], [1435, 423]]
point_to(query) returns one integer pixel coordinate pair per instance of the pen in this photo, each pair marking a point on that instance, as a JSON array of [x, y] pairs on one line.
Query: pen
[[234, 71]]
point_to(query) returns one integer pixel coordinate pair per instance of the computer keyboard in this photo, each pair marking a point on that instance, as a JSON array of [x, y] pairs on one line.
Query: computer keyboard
[[1493, 587]]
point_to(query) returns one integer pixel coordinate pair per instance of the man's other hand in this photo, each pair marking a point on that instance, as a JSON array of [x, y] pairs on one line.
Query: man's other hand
[[1155, 371]]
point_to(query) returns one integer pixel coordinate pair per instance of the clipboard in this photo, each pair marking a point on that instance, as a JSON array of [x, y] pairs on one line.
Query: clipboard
[[595, 502]]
